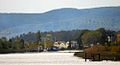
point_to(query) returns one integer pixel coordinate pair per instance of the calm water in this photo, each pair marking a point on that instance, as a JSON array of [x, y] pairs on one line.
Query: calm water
[[47, 58]]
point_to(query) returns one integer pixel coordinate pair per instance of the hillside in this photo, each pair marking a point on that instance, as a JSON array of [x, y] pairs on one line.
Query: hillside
[[12, 24]]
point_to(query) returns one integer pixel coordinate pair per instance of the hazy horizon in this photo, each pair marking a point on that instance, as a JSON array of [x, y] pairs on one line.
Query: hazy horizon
[[56, 9], [40, 6]]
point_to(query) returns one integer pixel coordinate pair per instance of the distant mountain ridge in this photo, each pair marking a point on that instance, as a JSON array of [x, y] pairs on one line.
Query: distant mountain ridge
[[12, 24]]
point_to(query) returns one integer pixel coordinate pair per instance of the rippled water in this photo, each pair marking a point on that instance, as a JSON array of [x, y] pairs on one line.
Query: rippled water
[[47, 58]]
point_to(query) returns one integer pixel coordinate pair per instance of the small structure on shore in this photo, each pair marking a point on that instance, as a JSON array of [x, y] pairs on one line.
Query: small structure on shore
[[61, 44]]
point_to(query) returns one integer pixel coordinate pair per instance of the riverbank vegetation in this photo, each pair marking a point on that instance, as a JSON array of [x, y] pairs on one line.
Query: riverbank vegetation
[[109, 49], [105, 52]]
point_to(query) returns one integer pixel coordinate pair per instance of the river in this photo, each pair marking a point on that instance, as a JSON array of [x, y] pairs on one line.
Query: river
[[47, 58]]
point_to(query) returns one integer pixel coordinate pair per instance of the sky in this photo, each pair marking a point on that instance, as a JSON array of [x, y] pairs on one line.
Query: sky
[[40, 6]]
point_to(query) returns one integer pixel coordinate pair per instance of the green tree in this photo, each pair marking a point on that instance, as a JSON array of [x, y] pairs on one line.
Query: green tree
[[4, 43], [1, 44], [48, 44], [10, 42], [38, 36], [18, 44], [22, 43], [79, 39], [91, 37]]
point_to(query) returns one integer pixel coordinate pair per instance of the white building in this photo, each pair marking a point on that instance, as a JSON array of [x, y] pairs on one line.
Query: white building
[[61, 44]]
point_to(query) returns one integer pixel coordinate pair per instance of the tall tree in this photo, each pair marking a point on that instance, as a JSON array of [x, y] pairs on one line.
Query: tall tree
[[22, 43], [38, 36], [79, 39], [10, 43]]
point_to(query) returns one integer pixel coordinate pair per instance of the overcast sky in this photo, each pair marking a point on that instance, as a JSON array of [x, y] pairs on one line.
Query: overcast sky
[[39, 6]]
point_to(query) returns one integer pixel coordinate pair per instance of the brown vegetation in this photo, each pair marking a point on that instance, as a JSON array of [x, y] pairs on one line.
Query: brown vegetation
[[106, 52]]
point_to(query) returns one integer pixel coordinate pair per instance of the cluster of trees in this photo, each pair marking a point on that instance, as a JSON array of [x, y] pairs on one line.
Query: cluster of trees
[[99, 36], [9, 44], [58, 35], [23, 43], [18, 44], [83, 38]]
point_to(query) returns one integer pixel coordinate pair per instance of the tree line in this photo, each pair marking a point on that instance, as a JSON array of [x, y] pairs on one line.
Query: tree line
[[33, 40]]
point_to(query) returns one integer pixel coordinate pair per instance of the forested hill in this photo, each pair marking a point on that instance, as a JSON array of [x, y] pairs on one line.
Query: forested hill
[[12, 24]]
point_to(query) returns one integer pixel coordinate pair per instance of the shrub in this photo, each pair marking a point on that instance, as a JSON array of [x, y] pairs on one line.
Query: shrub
[[115, 49]]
